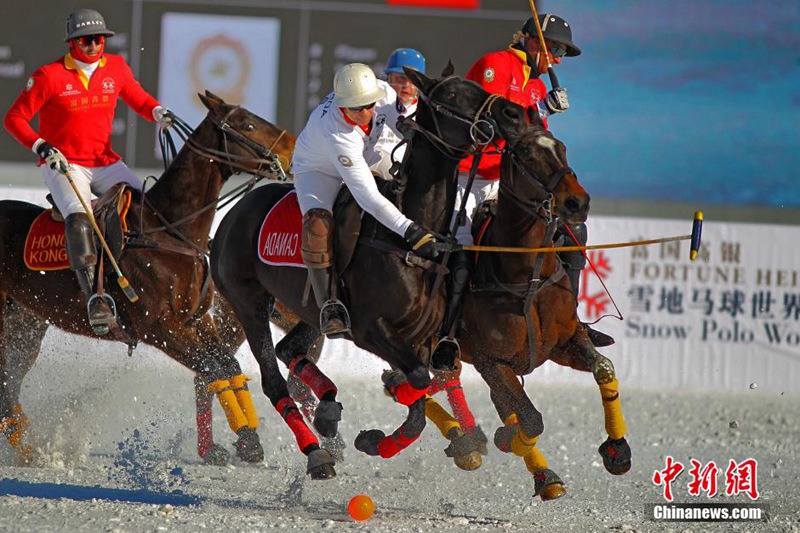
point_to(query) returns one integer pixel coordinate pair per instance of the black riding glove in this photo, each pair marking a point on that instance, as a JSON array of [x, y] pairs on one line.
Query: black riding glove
[[53, 157], [422, 241]]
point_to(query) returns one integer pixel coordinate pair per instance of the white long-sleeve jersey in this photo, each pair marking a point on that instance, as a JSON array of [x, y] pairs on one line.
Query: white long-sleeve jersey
[[331, 146], [389, 139]]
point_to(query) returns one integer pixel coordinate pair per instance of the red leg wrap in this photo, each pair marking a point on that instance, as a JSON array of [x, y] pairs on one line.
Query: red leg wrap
[[455, 395], [291, 415], [205, 439], [391, 445], [312, 376], [406, 394]]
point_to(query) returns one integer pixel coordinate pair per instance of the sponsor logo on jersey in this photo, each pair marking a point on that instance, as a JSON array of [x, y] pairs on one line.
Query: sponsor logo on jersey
[[488, 75], [108, 85], [29, 85], [345, 161]]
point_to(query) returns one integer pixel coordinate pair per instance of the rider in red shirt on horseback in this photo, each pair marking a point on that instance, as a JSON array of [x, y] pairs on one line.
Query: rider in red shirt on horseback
[[75, 98], [513, 74]]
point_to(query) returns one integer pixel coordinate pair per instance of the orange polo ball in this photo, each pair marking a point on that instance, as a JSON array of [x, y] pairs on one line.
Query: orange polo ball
[[361, 507]]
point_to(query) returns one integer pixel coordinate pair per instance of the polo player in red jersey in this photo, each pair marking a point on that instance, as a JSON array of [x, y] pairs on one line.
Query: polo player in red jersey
[[512, 73], [75, 98]]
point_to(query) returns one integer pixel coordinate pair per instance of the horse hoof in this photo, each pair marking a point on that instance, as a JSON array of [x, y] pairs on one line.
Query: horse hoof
[[216, 456], [327, 417], [464, 450], [335, 445], [480, 439], [367, 441], [320, 464], [616, 455], [547, 485], [248, 447]]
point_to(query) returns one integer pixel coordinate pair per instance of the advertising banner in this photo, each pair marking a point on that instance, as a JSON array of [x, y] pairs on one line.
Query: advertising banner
[[235, 58]]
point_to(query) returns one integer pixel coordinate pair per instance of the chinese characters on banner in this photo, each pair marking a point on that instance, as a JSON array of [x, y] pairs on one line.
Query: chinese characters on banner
[[739, 478]]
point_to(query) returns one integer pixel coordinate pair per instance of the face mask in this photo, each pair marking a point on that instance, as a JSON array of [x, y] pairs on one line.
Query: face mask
[[78, 54]]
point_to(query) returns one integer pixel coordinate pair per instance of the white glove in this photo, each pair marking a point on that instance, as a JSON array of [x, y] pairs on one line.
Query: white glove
[[53, 157], [557, 101], [163, 116]]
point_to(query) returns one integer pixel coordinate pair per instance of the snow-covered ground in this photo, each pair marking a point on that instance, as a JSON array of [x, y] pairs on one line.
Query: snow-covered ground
[[117, 453]]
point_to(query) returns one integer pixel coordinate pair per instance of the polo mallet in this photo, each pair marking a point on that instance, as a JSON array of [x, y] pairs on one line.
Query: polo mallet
[[550, 71], [694, 247], [121, 280]]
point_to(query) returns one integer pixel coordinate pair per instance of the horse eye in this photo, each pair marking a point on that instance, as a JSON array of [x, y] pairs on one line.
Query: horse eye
[[250, 127]]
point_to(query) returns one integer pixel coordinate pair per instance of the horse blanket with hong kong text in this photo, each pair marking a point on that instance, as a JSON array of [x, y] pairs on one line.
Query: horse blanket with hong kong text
[[45, 246], [279, 236]]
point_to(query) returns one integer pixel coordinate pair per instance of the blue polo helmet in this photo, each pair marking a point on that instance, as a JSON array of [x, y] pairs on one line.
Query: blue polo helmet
[[405, 57]]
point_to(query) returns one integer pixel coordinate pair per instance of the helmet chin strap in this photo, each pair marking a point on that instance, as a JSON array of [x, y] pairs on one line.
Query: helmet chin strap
[[76, 53]]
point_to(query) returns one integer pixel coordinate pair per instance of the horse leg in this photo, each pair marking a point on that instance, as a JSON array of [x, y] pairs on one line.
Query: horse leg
[[253, 306], [615, 451], [523, 426], [408, 387], [299, 350], [218, 372], [462, 448], [450, 382], [21, 335]]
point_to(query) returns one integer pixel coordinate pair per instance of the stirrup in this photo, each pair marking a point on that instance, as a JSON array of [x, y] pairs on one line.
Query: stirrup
[[334, 320], [445, 354], [598, 338], [102, 313]]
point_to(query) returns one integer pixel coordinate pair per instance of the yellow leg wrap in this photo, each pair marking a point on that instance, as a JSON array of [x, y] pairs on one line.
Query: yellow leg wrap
[[239, 386], [615, 422], [535, 460], [511, 419], [521, 444], [439, 416], [227, 399]]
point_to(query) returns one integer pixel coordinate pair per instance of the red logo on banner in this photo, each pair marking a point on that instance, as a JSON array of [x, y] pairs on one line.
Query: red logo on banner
[[453, 4], [597, 300], [279, 237]]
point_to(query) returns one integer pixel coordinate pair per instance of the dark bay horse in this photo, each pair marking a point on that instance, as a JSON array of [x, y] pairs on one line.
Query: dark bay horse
[[165, 263], [521, 310], [386, 295]]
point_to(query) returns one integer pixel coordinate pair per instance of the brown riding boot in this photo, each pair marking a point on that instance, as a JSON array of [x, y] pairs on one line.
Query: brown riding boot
[[82, 255], [317, 252]]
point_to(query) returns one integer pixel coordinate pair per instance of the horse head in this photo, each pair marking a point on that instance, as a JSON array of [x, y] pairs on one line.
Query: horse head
[[247, 142], [463, 117], [537, 175]]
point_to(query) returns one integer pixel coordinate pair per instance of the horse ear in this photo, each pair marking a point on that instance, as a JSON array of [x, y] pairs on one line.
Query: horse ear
[[420, 80], [449, 69], [212, 102], [214, 97]]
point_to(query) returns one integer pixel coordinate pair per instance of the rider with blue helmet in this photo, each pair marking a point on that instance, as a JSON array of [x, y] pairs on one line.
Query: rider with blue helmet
[[406, 103]]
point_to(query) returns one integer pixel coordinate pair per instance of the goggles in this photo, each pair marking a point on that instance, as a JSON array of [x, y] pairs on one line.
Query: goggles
[[87, 40], [361, 108]]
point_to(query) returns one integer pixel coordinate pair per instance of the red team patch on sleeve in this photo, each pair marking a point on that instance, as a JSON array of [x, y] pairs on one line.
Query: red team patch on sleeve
[[279, 237]]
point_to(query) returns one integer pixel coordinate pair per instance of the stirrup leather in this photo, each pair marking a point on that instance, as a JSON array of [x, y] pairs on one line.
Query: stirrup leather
[[334, 320], [102, 312]]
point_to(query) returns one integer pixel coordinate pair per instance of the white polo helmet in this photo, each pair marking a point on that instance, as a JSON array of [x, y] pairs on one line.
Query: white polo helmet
[[355, 85]]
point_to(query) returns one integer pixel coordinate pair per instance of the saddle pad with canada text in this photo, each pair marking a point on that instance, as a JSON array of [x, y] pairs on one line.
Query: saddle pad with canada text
[[45, 245], [279, 237]]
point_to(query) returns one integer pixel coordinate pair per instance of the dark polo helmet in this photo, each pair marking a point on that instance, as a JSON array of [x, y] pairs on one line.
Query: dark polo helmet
[[555, 29], [85, 22]]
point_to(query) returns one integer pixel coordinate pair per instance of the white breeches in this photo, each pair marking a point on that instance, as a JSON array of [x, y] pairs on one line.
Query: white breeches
[[481, 191], [88, 181]]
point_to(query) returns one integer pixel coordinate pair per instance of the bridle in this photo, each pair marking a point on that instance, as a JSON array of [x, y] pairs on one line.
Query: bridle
[[482, 118], [541, 207]]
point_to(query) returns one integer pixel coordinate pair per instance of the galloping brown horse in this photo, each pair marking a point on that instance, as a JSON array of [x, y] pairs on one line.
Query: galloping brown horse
[[521, 310], [385, 289], [168, 236]]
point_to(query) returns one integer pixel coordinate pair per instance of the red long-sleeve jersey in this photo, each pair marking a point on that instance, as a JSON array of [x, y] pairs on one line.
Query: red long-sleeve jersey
[[507, 74], [75, 113]]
